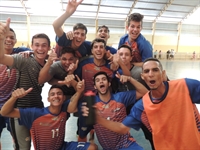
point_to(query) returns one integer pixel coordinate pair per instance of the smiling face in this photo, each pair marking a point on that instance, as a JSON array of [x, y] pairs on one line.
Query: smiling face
[[98, 50], [134, 29], [56, 97], [79, 38], [103, 33], [66, 60], [101, 84], [10, 42], [40, 46], [153, 74]]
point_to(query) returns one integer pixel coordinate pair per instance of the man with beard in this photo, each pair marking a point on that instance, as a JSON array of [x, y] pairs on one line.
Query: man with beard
[[113, 107], [28, 69], [141, 48], [168, 110]]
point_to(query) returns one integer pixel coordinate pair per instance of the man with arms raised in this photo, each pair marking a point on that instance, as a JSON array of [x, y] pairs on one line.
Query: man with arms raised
[[28, 69]]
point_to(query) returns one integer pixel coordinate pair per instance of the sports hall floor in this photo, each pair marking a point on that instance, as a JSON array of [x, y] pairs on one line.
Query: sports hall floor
[[175, 69]]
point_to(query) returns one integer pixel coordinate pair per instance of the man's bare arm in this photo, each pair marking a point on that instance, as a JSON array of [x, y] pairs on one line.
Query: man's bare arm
[[8, 109], [70, 9]]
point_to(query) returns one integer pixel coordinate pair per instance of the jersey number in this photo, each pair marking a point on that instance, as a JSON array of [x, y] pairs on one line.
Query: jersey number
[[55, 132]]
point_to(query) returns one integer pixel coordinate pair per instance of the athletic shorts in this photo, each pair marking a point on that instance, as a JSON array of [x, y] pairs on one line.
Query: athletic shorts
[[75, 146], [134, 146]]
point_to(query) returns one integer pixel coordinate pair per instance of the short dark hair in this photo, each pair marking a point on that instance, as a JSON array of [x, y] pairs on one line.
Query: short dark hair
[[98, 40], [12, 31], [68, 50], [137, 17], [153, 59], [101, 73], [103, 26], [56, 87], [125, 46], [80, 26], [41, 35]]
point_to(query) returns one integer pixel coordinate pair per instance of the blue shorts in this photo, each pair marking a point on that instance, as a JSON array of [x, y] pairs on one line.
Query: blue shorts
[[75, 146], [4, 121], [134, 146]]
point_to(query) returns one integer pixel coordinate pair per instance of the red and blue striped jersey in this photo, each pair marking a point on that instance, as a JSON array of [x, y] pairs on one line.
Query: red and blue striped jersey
[[115, 110], [47, 130]]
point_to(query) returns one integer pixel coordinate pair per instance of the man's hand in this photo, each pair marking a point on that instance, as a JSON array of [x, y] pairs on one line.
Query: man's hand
[[84, 109], [4, 29], [68, 79], [80, 87], [123, 78], [26, 54], [114, 61], [70, 35], [19, 93], [52, 57], [73, 67], [72, 5]]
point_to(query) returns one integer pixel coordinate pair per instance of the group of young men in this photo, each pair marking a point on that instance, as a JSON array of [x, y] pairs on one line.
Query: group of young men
[[130, 86]]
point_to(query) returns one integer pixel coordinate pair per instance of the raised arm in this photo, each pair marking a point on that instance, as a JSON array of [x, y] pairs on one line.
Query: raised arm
[[70, 9], [72, 107], [8, 109], [4, 30], [140, 89], [44, 75]]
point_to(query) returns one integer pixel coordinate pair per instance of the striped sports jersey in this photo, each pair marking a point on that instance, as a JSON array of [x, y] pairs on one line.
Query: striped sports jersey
[[115, 110], [47, 130], [8, 78], [29, 70], [87, 69], [174, 121]]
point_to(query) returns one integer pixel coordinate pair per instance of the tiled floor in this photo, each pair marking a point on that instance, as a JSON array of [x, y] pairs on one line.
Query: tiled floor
[[175, 69]]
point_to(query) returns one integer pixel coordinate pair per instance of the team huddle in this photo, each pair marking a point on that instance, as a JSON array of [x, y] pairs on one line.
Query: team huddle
[[131, 90]]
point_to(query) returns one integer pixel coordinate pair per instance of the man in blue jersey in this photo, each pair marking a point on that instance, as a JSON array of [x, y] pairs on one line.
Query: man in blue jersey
[[79, 30], [103, 32], [113, 107], [76, 39], [141, 48], [47, 125], [89, 66], [168, 110], [8, 77]]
